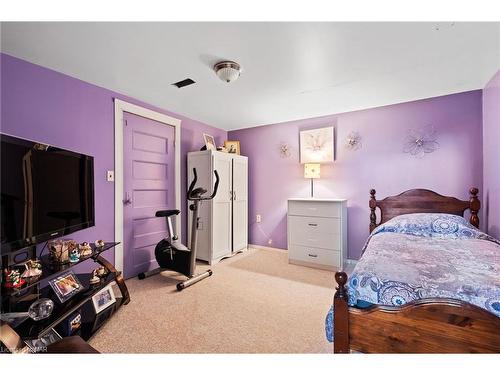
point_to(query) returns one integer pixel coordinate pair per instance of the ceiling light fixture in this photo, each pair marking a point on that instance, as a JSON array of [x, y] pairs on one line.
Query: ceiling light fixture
[[227, 71]]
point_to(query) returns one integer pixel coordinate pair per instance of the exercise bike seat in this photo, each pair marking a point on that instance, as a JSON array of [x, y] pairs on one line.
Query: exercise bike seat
[[167, 213]]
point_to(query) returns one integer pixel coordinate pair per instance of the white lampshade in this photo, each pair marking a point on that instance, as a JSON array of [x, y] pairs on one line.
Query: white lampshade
[[227, 71], [312, 170]]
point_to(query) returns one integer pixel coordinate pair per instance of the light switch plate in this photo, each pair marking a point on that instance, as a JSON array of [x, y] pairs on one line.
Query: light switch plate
[[110, 176]]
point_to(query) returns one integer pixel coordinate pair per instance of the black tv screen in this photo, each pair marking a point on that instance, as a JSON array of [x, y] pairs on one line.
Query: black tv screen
[[47, 192]]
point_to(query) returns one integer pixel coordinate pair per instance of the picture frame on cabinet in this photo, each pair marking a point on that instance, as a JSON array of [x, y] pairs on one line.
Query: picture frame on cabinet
[[232, 147], [209, 142], [40, 345], [103, 299], [66, 286], [102, 317]]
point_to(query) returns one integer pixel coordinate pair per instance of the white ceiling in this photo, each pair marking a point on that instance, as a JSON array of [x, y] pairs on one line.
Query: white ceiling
[[290, 70]]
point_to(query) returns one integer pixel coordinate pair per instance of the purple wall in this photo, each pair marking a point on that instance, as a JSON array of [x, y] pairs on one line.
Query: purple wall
[[380, 163], [50, 107], [491, 155]]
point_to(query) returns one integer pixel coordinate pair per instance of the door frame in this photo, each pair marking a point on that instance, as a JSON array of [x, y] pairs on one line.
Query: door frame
[[121, 107]]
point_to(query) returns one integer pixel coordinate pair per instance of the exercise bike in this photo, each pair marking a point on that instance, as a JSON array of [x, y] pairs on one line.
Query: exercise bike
[[170, 253]]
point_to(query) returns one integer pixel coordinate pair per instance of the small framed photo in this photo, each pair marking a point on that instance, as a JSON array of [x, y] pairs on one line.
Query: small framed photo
[[103, 299], [232, 147], [40, 345], [209, 142], [66, 286], [101, 318]]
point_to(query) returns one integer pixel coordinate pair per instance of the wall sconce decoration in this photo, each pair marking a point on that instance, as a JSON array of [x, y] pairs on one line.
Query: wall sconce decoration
[[312, 171], [285, 150], [353, 141], [420, 142], [316, 145]]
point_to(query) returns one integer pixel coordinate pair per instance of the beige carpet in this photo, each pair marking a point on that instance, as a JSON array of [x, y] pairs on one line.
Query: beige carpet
[[254, 303]]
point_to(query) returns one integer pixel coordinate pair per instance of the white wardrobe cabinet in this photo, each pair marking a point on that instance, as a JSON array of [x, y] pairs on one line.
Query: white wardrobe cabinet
[[223, 223]]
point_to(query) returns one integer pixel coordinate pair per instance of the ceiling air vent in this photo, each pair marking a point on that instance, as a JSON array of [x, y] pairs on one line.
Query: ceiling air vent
[[184, 82]]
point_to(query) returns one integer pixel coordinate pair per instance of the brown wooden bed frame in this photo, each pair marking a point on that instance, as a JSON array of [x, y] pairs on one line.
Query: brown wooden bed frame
[[431, 325]]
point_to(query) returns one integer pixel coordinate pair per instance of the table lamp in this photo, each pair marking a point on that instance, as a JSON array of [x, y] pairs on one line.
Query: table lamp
[[312, 171]]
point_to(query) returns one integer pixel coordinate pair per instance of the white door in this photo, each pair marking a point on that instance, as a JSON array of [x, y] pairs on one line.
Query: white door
[[240, 203], [221, 206]]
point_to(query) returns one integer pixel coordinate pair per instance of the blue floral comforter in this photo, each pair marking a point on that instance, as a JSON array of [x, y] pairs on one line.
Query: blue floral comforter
[[417, 256]]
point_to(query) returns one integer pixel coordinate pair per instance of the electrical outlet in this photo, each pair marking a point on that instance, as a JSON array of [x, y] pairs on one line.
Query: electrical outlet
[[269, 241], [110, 176], [258, 218]]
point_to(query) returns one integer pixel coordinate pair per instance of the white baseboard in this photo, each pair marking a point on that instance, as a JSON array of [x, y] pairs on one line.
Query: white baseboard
[[265, 247]]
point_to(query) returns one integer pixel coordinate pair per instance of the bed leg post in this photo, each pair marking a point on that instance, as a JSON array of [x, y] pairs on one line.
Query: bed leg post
[[474, 206], [373, 206], [340, 315]]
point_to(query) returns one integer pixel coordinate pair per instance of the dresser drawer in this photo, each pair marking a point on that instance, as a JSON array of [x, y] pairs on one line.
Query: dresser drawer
[[314, 255], [314, 231], [311, 208]]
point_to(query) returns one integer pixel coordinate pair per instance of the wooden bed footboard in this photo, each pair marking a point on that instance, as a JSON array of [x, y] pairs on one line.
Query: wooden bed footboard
[[433, 325]]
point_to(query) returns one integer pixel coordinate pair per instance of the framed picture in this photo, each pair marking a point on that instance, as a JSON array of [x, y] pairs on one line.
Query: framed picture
[[101, 318], [66, 286], [232, 147], [317, 145], [209, 142], [40, 345], [103, 299]]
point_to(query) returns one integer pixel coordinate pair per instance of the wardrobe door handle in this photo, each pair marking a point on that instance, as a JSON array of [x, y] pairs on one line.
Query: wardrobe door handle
[[312, 224], [313, 255]]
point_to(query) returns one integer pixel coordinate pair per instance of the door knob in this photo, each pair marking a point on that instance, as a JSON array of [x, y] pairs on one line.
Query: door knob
[[127, 199]]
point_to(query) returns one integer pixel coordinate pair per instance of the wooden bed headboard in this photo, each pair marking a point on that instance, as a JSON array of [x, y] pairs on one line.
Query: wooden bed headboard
[[421, 201]]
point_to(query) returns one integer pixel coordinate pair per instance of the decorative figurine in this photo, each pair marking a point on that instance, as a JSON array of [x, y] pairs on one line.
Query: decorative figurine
[[58, 252], [75, 322], [101, 272], [99, 243], [85, 249], [71, 244], [74, 255], [41, 309], [13, 279], [38, 310], [33, 269], [95, 279]]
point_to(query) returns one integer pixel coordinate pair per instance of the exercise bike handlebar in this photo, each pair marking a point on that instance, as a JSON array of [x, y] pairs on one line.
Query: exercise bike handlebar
[[192, 188], [216, 186]]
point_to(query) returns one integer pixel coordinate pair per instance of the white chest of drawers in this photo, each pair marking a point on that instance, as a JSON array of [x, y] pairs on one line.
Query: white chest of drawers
[[317, 232]]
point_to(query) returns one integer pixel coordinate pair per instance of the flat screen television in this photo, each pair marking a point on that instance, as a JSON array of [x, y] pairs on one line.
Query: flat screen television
[[46, 192]]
